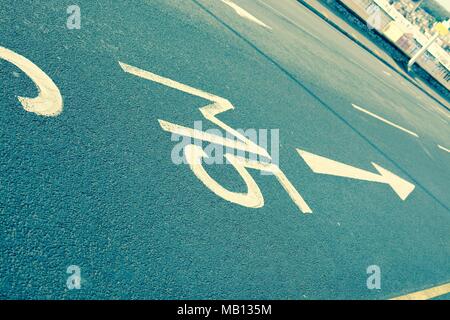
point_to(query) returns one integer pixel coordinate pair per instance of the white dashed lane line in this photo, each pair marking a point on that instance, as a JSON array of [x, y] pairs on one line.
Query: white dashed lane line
[[245, 14], [393, 124], [385, 121], [443, 148], [49, 102]]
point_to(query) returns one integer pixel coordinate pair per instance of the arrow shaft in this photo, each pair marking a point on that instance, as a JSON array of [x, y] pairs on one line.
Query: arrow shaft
[[327, 166]]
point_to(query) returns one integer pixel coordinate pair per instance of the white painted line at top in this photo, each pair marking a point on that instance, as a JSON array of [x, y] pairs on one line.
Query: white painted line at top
[[245, 14], [443, 148], [385, 121], [209, 112], [427, 293]]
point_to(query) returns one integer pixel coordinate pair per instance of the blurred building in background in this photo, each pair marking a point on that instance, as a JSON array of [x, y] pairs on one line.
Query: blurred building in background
[[409, 28]]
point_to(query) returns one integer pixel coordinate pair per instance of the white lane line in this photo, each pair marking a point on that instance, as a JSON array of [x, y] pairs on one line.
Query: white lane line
[[245, 14], [426, 294], [442, 148], [385, 121], [443, 120]]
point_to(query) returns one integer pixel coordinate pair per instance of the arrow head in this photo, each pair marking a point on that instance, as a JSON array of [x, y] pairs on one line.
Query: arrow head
[[401, 187]]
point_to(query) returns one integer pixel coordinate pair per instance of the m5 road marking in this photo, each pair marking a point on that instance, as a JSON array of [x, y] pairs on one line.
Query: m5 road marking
[[394, 125], [427, 293], [253, 198], [326, 166]]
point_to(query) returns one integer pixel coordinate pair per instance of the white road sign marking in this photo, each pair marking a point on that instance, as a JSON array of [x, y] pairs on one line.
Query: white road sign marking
[[253, 197], [218, 106], [49, 101], [443, 148], [327, 166], [385, 121], [194, 154]]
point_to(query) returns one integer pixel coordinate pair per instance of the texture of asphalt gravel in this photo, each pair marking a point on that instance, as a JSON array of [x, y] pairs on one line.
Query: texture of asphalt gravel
[[96, 187]]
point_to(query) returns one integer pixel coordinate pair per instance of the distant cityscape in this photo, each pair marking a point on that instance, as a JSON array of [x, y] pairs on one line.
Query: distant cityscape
[[407, 26], [413, 11]]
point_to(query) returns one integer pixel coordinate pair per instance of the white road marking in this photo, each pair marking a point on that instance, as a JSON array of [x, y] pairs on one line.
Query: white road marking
[[245, 14], [194, 154], [209, 112], [327, 166], [49, 101], [253, 197], [385, 121], [208, 137], [443, 148], [289, 19], [427, 293], [277, 12]]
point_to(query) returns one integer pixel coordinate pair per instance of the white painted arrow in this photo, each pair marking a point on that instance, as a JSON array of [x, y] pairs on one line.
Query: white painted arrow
[[327, 166]]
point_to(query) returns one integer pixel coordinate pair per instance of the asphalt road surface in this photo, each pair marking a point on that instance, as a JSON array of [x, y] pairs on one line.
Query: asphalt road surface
[[90, 180]]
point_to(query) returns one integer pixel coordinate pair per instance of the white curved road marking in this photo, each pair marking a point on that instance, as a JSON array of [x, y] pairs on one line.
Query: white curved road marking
[[218, 106], [49, 102], [385, 121], [427, 293], [245, 14], [327, 166]]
